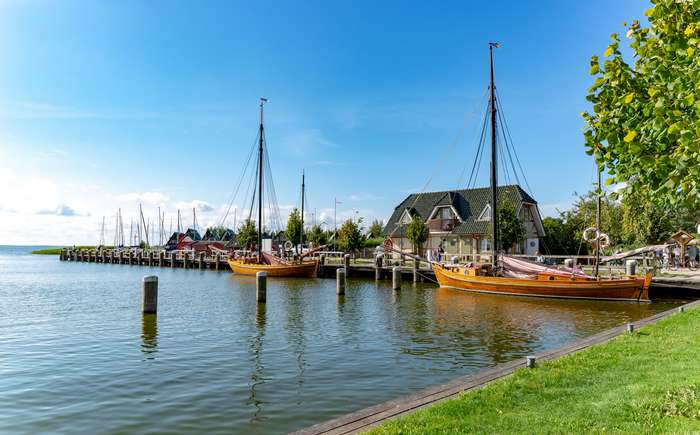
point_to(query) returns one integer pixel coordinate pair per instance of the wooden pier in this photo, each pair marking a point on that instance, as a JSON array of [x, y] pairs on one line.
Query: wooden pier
[[218, 262]]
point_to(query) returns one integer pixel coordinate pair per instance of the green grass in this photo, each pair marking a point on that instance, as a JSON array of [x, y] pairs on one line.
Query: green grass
[[646, 382], [56, 251]]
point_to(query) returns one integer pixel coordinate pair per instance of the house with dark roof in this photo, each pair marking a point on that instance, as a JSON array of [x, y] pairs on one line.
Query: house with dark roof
[[460, 220]]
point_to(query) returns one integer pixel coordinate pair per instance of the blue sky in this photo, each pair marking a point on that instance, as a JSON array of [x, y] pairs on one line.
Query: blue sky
[[108, 104]]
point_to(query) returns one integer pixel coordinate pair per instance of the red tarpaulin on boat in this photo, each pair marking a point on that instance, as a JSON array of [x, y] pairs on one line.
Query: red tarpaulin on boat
[[519, 268], [271, 259]]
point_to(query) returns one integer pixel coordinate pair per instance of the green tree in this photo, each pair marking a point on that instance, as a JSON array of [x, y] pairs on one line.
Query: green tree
[[350, 236], [375, 230], [316, 236], [560, 238], [247, 234], [293, 231], [417, 233], [511, 230], [645, 124], [217, 232]]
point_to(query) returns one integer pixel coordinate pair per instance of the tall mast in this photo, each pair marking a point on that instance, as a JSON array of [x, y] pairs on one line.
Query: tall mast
[[179, 223], [597, 226], [144, 226], [494, 174], [302, 209], [260, 179]]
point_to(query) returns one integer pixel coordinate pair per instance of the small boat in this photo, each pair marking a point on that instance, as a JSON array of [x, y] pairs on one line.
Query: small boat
[[511, 276], [264, 261]]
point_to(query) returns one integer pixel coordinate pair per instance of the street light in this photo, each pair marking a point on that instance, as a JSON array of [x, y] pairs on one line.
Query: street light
[[335, 223]]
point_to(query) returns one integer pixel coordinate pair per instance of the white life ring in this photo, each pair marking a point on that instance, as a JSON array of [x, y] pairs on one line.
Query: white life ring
[[604, 240], [288, 245], [587, 238]]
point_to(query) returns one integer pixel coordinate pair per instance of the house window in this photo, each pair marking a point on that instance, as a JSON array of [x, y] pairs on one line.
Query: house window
[[485, 245], [443, 213], [406, 217], [485, 214]]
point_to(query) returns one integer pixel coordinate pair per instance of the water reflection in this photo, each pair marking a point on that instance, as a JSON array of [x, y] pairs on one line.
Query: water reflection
[[256, 348], [149, 336]]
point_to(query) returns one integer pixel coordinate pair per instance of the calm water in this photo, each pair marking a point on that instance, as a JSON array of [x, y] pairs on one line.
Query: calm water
[[76, 355]]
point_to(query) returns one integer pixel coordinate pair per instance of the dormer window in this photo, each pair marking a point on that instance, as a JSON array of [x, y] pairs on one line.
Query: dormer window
[[485, 214], [443, 213], [406, 217]]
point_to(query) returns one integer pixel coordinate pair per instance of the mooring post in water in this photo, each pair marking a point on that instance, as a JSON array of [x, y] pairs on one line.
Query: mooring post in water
[[631, 267], [340, 280], [149, 294], [261, 286], [630, 327], [378, 267], [681, 309], [217, 260], [396, 278], [161, 257], [201, 260], [173, 259], [530, 362], [185, 258], [346, 262], [416, 264]]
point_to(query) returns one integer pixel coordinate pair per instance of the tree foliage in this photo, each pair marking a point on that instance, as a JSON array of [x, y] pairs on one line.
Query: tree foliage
[[316, 236], [644, 127], [350, 235], [217, 232], [247, 234], [375, 230], [417, 233], [293, 231], [511, 230]]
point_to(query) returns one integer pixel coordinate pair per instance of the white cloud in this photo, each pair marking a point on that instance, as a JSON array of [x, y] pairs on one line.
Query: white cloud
[[199, 205], [60, 210], [147, 197], [363, 197]]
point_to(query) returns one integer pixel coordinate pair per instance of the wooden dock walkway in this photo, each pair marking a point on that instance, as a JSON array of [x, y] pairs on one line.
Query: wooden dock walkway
[[219, 262]]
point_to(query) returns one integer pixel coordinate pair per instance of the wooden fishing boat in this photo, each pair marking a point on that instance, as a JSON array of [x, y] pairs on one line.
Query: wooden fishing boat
[[511, 276], [548, 285], [265, 261], [304, 269]]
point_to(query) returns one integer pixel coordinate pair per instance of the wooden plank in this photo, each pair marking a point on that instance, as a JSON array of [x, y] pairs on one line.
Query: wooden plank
[[364, 419]]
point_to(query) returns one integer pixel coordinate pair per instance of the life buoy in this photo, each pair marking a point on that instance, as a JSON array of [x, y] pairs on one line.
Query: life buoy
[[588, 238], [604, 240]]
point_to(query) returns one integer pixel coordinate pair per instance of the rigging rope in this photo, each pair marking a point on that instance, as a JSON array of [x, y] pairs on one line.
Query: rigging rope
[[507, 130]]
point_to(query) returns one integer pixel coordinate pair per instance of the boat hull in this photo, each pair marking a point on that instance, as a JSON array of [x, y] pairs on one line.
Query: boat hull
[[306, 269], [632, 289]]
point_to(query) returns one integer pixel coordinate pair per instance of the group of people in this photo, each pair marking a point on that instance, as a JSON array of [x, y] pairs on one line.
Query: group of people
[[671, 257]]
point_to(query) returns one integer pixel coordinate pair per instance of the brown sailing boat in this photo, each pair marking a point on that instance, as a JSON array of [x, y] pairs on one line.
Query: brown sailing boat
[[524, 278], [263, 261]]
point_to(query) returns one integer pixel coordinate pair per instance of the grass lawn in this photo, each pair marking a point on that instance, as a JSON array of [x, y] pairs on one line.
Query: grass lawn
[[56, 251], [646, 382]]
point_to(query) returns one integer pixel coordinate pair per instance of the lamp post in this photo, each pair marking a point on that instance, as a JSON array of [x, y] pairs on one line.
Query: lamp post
[[335, 223]]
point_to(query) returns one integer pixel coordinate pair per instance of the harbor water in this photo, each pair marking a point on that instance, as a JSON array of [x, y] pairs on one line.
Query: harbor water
[[77, 355]]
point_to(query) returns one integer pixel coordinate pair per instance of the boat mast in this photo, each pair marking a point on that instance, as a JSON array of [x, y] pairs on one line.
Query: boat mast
[[260, 179], [301, 241], [494, 174], [597, 227]]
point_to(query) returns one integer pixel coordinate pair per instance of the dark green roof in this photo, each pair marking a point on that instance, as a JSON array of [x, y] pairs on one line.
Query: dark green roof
[[469, 204]]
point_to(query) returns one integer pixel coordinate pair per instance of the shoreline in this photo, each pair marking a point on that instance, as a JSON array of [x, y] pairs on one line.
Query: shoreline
[[388, 412]]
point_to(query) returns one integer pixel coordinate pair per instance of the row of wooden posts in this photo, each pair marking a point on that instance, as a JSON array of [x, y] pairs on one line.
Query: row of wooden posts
[[199, 260], [185, 259]]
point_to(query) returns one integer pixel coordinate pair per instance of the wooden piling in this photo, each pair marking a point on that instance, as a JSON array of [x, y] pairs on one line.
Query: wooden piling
[[630, 328], [217, 260], [396, 278], [173, 259], [161, 258], [415, 270], [149, 294], [261, 287], [201, 261], [340, 280], [346, 263], [185, 260], [530, 362]]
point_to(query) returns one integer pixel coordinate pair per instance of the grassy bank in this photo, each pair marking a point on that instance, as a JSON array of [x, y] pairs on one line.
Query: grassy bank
[[56, 251], [646, 382]]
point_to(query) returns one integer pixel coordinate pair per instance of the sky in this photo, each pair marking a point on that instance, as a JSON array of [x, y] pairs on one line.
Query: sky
[[112, 104]]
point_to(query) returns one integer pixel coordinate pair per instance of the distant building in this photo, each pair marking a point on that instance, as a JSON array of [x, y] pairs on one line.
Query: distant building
[[461, 220]]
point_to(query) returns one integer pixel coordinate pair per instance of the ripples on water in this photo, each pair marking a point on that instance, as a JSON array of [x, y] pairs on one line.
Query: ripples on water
[[78, 356]]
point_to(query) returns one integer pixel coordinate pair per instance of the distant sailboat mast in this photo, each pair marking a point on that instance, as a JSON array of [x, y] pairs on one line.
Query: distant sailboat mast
[[260, 179], [303, 186]]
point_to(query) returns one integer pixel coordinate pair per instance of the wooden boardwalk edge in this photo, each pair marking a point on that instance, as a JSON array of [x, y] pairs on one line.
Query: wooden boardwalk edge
[[366, 418]]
